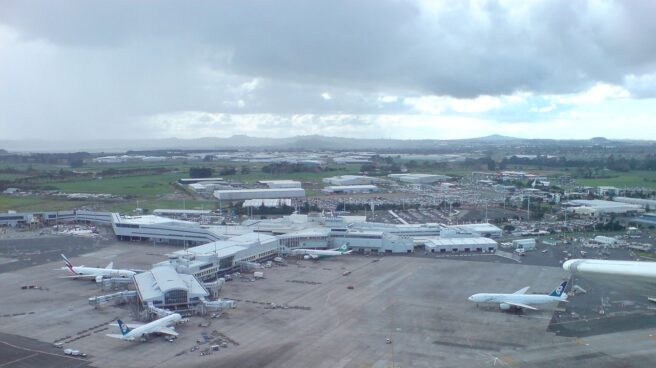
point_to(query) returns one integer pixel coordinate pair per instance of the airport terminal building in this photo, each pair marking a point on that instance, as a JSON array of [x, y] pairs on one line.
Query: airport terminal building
[[165, 288]]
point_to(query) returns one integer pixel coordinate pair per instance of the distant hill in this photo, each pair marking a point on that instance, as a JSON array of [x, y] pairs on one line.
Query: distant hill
[[496, 138], [309, 142]]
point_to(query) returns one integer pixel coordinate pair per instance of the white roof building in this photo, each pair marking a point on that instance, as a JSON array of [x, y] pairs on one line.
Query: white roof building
[[597, 207], [419, 178], [243, 194], [352, 180], [274, 184], [456, 244], [350, 189]]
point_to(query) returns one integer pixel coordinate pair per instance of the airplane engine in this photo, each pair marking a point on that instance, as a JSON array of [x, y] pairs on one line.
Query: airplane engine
[[504, 306], [306, 257]]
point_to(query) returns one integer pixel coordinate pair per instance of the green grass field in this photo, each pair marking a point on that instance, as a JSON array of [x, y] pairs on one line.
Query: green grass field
[[646, 179], [146, 186], [37, 204]]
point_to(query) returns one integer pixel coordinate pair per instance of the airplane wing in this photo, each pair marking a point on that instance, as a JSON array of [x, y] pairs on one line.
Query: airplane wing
[[130, 325], [116, 336], [522, 290], [110, 266], [167, 331], [90, 277], [521, 305]]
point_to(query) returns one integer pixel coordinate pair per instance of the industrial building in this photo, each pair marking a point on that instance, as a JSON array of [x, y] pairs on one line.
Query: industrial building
[[597, 207], [243, 194], [526, 244], [275, 184], [352, 180], [647, 204], [482, 229], [419, 178], [647, 219], [346, 189], [165, 288], [450, 244], [187, 181]]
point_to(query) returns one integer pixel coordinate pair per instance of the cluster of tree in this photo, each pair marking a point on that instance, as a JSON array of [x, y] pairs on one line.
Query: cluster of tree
[[288, 168], [228, 171], [200, 172], [587, 167], [132, 171], [612, 225], [486, 162]]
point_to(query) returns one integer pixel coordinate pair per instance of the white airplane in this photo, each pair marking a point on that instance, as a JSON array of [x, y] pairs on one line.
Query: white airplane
[[141, 331], [318, 253], [519, 299], [94, 273]]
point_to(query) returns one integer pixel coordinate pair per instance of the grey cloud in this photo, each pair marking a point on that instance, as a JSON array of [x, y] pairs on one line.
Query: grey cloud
[[113, 62]]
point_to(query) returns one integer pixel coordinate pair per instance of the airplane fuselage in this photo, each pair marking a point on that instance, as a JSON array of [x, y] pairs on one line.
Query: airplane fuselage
[[514, 298]]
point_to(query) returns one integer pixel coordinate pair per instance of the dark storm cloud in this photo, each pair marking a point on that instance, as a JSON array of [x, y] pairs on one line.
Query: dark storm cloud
[[112, 61]]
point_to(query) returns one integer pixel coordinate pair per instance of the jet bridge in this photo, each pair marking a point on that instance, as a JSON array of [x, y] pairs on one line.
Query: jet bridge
[[121, 296]]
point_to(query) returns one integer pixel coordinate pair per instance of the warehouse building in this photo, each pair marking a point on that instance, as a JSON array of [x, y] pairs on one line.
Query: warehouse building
[[599, 207], [647, 204], [459, 244], [165, 288], [352, 180], [419, 178], [526, 244], [244, 194], [483, 229], [275, 184], [348, 189]]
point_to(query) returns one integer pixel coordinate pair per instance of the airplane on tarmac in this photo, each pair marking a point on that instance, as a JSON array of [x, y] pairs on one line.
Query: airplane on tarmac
[[315, 254], [94, 273], [519, 299], [130, 332]]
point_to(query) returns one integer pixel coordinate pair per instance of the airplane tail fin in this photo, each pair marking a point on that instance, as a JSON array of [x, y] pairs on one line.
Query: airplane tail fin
[[343, 248], [124, 328], [560, 290], [110, 266], [69, 265]]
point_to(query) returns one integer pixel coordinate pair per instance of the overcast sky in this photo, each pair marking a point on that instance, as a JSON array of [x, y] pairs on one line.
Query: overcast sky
[[390, 69]]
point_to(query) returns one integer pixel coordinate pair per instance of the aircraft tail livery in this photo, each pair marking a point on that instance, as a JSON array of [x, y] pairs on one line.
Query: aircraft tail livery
[[69, 265], [124, 328], [559, 291]]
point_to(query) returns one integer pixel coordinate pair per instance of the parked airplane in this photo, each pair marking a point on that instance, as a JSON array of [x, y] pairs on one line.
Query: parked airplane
[[94, 273], [133, 331], [519, 299], [318, 253]]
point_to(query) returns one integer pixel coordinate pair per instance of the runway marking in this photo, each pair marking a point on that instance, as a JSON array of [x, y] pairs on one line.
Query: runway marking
[[42, 352], [19, 359]]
